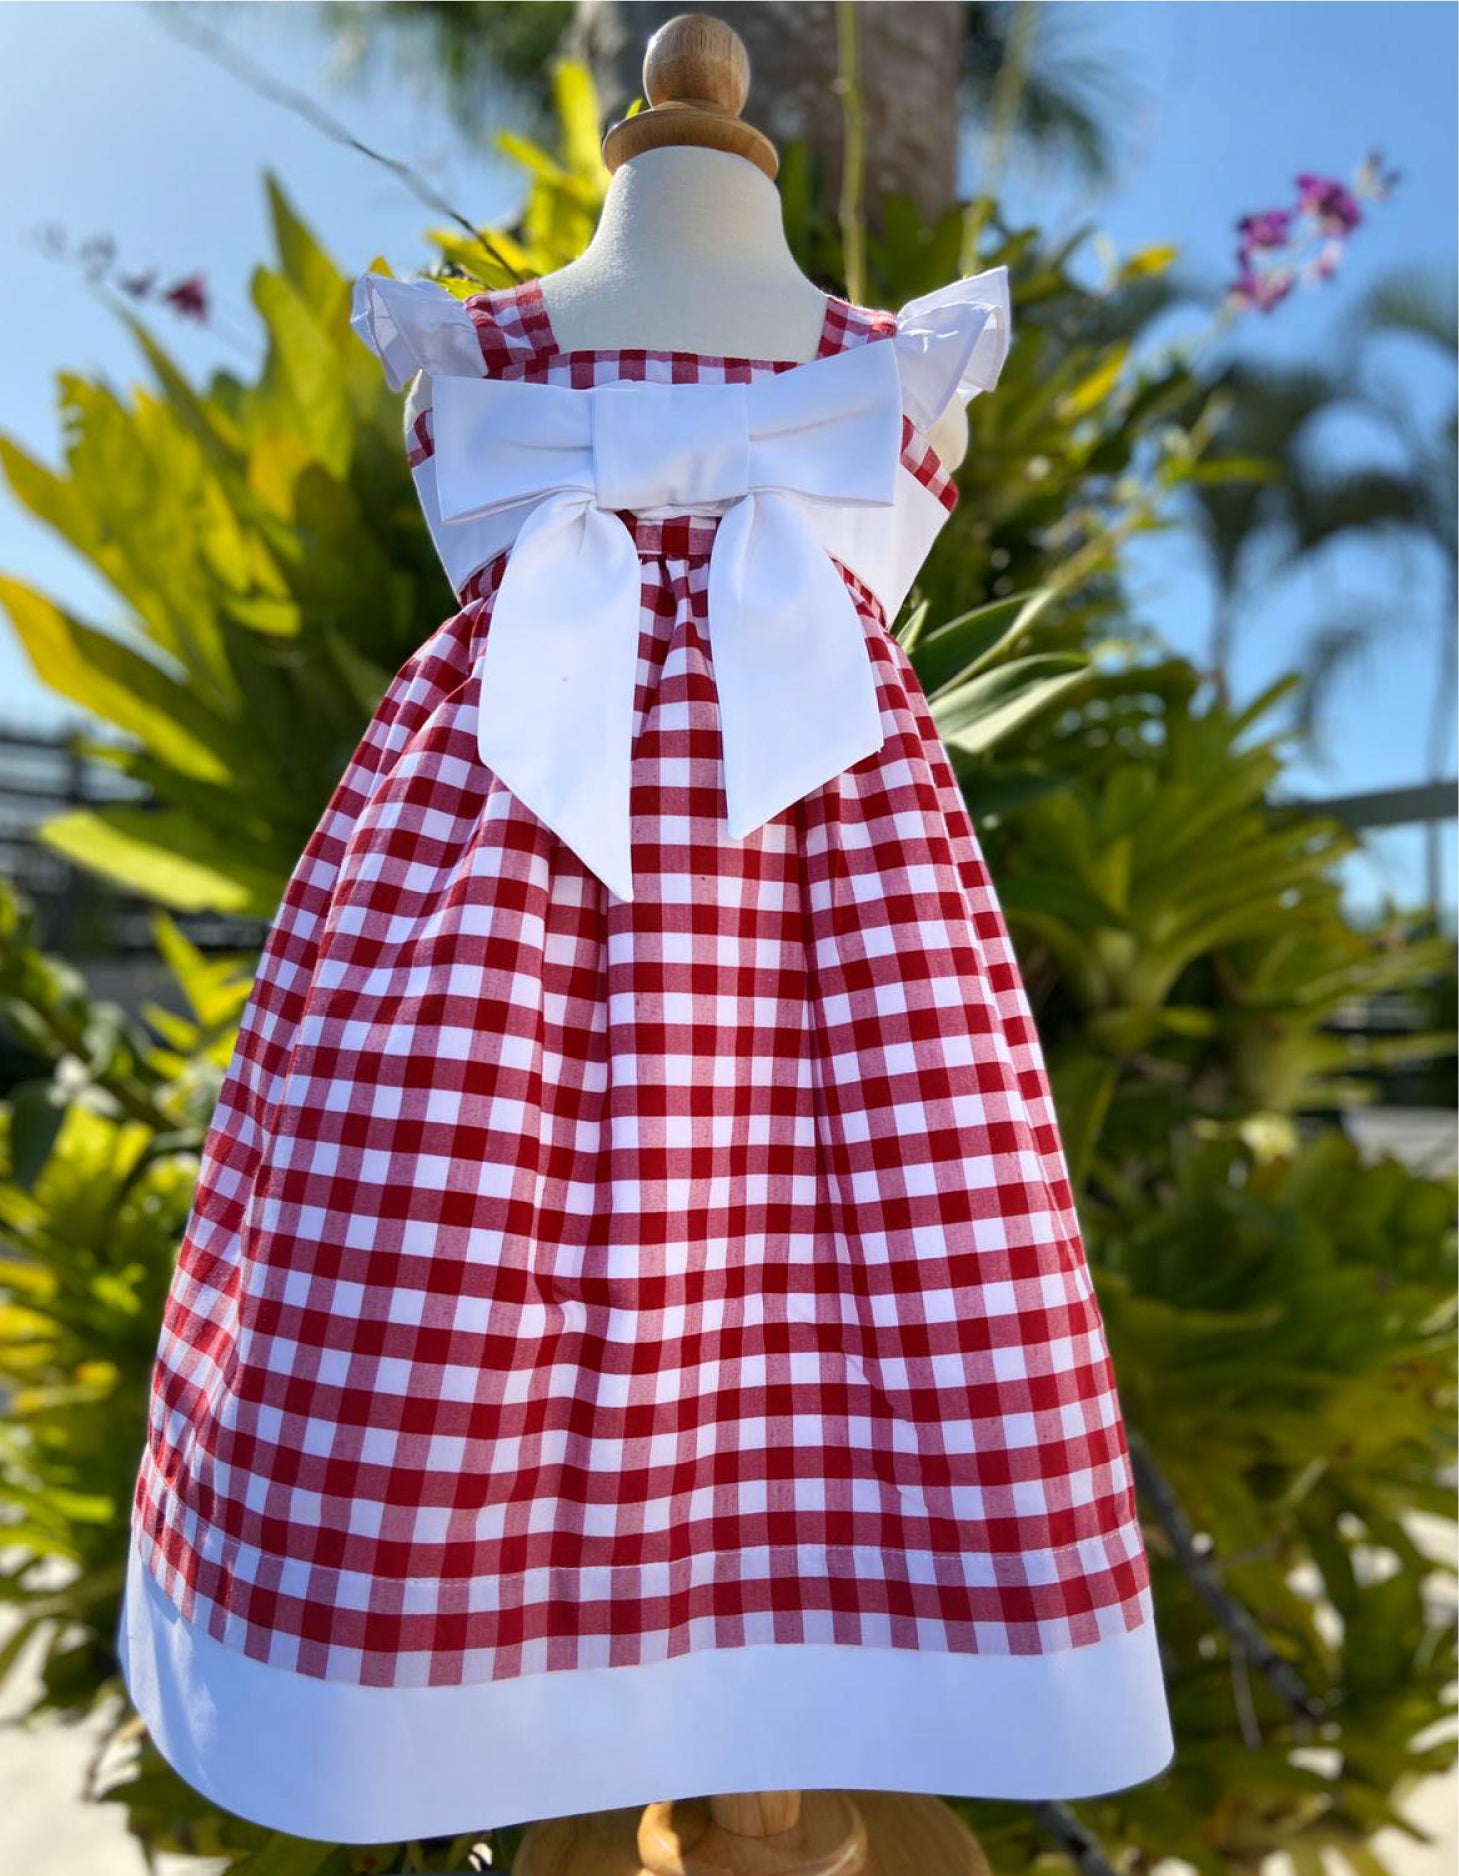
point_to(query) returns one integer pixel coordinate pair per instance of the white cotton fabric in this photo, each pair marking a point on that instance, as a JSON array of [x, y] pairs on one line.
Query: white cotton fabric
[[950, 342], [414, 325], [953, 343], [348, 1764]]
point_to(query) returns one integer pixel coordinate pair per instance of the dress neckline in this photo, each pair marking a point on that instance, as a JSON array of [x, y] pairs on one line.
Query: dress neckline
[[841, 321]]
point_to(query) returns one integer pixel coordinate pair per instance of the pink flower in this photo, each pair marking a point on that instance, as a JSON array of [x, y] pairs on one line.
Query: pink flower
[[1329, 211], [1332, 203], [1271, 228], [1262, 291], [189, 297]]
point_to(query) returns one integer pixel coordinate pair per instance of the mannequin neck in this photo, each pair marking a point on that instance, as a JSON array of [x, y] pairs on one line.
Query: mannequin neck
[[709, 210], [690, 255]]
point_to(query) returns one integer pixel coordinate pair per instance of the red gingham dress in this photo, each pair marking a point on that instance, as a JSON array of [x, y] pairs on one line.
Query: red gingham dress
[[577, 1284]]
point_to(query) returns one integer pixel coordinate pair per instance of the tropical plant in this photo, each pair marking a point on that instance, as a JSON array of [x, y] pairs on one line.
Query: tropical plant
[[271, 573]]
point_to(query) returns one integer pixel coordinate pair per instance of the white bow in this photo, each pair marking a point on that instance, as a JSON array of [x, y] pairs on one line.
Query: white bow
[[558, 675]]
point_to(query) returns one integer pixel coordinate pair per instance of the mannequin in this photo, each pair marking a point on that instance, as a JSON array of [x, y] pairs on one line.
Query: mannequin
[[690, 255]]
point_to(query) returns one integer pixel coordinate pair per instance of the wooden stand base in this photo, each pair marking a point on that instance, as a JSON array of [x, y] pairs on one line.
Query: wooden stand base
[[767, 1833]]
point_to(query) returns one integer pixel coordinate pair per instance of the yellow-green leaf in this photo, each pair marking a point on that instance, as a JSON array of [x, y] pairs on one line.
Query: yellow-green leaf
[[115, 683], [305, 370], [1091, 392], [119, 849], [1148, 262], [577, 112]]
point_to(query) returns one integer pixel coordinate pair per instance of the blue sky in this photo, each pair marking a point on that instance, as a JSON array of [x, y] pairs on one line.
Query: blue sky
[[120, 128]]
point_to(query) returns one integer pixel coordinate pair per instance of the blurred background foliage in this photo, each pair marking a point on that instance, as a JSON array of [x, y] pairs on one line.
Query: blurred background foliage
[[1281, 1311]]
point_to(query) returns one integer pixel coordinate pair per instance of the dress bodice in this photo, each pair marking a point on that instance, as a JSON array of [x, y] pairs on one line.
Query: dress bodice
[[949, 343], [816, 481]]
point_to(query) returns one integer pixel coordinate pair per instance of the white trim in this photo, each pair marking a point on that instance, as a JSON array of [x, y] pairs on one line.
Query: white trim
[[349, 1764], [953, 343], [414, 325]]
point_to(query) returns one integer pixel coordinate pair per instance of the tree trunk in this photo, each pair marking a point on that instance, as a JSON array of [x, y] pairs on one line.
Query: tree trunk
[[910, 58]]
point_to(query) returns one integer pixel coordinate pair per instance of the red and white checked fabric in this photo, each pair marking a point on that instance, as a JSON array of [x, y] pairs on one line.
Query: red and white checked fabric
[[575, 1282]]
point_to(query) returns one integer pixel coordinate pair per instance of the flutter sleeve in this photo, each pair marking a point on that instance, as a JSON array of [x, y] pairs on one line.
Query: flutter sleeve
[[951, 343], [413, 326]]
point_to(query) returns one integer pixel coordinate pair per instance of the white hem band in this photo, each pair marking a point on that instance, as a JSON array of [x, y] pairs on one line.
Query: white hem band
[[348, 1764]]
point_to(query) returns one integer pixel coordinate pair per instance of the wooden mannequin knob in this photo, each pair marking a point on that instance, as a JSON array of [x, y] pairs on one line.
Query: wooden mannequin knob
[[693, 59], [696, 77]]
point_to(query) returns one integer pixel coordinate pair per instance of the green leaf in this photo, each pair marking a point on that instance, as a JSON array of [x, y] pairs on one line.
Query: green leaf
[[910, 628], [974, 717], [1232, 469], [1004, 789], [304, 371], [54, 499], [576, 99], [131, 848], [1061, 896], [1148, 262], [1363, 1860], [366, 682], [214, 987], [116, 684], [547, 171], [962, 645], [285, 1856], [37, 1112], [1082, 1087], [305, 263], [275, 618], [1092, 391], [500, 264], [1182, 1021]]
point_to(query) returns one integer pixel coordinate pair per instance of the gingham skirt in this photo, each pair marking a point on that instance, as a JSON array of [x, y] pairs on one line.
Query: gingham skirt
[[579, 1283]]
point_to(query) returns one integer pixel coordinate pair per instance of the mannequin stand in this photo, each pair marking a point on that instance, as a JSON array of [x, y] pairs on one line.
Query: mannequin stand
[[766, 1833]]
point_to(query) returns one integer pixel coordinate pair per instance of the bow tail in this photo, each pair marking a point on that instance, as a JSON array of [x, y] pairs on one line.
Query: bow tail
[[557, 679], [793, 672]]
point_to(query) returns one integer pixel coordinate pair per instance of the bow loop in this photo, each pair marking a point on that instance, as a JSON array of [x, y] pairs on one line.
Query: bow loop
[[499, 443], [832, 430]]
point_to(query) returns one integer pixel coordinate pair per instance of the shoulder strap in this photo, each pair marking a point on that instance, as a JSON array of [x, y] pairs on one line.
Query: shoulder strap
[[952, 343], [512, 327]]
